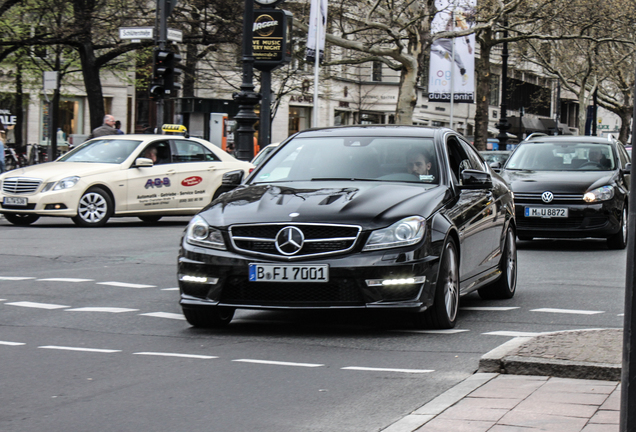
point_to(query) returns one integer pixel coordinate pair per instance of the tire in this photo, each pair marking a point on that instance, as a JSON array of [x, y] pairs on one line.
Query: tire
[[150, 219], [94, 209], [506, 285], [619, 240], [443, 313], [21, 219], [208, 317]]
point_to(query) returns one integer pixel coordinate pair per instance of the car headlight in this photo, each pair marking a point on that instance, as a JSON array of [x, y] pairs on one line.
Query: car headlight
[[65, 183], [603, 193], [199, 233], [406, 232]]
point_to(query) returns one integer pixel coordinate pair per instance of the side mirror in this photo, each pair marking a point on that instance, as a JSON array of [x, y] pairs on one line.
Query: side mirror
[[143, 162], [475, 179], [230, 181], [627, 169], [496, 166]]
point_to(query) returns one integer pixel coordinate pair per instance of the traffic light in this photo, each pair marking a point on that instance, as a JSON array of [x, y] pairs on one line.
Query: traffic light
[[160, 72], [172, 74]]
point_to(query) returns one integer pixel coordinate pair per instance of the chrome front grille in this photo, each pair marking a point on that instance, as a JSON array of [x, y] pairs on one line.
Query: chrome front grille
[[318, 239], [535, 198], [20, 185]]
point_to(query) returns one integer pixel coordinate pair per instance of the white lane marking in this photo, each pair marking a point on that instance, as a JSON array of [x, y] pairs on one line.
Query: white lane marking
[[164, 315], [3, 299], [126, 285], [11, 343], [15, 278], [370, 369], [79, 349], [621, 315], [278, 363], [101, 309], [489, 308], [164, 354], [38, 305], [448, 331], [64, 280], [170, 289], [568, 311], [512, 334]]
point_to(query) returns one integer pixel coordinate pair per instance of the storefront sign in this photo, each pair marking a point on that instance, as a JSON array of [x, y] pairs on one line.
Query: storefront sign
[[6, 118], [306, 99]]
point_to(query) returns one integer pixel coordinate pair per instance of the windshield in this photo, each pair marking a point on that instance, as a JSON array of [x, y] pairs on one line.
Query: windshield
[[113, 151], [347, 158], [562, 157]]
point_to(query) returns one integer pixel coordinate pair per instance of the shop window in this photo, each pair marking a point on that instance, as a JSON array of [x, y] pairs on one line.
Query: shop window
[[298, 119]]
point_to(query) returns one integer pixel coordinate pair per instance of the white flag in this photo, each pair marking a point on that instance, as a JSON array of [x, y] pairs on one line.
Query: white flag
[[317, 28]]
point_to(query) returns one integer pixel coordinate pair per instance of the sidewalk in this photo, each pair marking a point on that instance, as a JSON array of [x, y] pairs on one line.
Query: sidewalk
[[557, 382]]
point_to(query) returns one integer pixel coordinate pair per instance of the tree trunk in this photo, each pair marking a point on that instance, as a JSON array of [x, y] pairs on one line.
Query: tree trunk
[[626, 117], [482, 92], [407, 95]]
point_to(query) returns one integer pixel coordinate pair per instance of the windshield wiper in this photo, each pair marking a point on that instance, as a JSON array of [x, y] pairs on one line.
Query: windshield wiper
[[341, 179]]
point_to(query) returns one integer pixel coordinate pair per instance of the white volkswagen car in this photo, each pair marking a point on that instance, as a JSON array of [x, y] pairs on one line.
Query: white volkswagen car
[[146, 176]]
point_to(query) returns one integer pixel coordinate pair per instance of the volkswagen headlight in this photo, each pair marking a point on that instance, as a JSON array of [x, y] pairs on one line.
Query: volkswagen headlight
[[603, 193], [199, 233], [406, 232]]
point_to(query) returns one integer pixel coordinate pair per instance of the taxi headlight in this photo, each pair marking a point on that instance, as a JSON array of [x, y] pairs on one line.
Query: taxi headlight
[[65, 183], [199, 233], [406, 232], [603, 193]]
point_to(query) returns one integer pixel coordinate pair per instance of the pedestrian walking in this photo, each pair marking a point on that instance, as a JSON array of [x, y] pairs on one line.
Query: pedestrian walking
[[2, 141], [118, 128], [108, 128]]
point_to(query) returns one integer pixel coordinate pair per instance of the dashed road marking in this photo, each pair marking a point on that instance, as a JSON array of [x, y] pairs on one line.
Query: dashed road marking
[[278, 363], [170, 289], [448, 331], [568, 311], [164, 354], [512, 333], [489, 308], [98, 350], [15, 278], [164, 315], [37, 305], [126, 285], [11, 343], [101, 309], [370, 369], [64, 280]]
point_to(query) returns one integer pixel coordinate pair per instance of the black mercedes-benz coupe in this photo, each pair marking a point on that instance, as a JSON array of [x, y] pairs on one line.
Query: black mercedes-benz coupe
[[361, 217], [570, 187]]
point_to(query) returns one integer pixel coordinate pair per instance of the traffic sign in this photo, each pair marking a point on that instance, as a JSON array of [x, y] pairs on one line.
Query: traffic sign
[[136, 32], [175, 35]]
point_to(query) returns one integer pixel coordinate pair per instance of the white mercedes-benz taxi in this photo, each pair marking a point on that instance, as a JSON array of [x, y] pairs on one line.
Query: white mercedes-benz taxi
[[146, 176]]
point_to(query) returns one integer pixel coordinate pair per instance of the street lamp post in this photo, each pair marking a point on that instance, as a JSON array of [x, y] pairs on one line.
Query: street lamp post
[[247, 98], [503, 124]]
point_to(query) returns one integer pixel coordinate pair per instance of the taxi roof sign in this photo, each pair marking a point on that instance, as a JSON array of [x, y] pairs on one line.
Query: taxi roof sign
[[176, 128]]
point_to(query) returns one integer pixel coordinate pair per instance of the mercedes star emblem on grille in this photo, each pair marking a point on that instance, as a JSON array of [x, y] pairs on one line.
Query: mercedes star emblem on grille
[[289, 240], [547, 196]]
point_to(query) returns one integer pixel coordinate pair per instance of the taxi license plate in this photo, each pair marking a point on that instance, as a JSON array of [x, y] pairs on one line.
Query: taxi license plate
[[546, 212], [16, 201], [288, 273]]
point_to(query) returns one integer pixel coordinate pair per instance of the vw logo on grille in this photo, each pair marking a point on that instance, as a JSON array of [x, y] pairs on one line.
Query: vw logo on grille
[[547, 196], [289, 240]]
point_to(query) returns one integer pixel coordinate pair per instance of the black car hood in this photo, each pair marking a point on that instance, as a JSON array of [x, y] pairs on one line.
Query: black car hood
[[369, 204], [562, 182]]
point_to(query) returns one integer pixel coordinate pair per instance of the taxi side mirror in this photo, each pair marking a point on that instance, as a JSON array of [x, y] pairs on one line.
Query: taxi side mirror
[[143, 162]]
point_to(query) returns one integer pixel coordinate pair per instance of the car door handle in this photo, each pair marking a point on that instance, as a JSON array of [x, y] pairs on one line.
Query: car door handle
[[171, 172]]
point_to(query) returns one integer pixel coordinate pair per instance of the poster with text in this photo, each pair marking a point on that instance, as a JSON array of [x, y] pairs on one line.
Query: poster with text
[[453, 15]]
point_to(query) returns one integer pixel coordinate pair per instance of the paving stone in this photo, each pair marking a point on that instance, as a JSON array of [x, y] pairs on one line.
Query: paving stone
[[446, 425], [613, 402], [597, 428], [606, 417], [555, 408], [569, 398], [462, 412], [545, 422]]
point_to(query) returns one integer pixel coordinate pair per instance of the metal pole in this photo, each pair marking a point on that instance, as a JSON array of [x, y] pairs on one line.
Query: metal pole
[[162, 17], [503, 125], [628, 373], [265, 129], [247, 97], [594, 115], [317, 68], [452, 71]]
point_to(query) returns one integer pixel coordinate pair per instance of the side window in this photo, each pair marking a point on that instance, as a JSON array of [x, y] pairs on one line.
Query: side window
[[475, 161], [191, 151], [159, 152], [457, 158]]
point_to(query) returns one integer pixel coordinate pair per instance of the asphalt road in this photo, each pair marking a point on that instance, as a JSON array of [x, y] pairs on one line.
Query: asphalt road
[[91, 337]]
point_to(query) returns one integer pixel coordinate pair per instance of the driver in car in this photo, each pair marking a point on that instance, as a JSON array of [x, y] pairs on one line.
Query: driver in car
[[596, 156], [419, 163]]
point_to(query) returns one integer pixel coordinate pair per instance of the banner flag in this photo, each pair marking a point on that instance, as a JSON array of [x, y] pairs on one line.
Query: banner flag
[[453, 15], [317, 29]]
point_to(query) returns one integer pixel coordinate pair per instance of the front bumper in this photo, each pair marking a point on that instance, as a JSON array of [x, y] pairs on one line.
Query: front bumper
[[51, 203], [584, 220], [224, 281]]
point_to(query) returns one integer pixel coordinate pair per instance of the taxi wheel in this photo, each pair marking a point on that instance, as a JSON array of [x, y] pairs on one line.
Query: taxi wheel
[[443, 313], [150, 219], [208, 317], [94, 209], [504, 287], [21, 219]]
